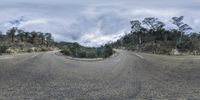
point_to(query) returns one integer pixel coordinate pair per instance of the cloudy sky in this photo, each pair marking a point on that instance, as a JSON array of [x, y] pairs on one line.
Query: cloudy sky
[[92, 22]]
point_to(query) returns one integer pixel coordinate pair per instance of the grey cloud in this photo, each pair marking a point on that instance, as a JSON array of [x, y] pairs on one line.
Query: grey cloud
[[92, 22]]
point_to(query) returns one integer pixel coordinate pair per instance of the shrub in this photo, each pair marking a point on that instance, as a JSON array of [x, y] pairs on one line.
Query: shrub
[[87, 52], [107, 51], [91, 54], [82, 54], [29, 50], [184, 46], [66, 51], [43, 49], [3, 49]]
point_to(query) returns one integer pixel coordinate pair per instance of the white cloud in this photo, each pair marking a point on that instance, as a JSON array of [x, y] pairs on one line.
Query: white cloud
[[33, 22], [92, 22], [97, 39], [154, 12]]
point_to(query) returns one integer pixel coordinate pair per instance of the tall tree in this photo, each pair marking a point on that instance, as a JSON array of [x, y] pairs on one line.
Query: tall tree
[[156, 27], [42, 37], [21, 34], [138, 29], [26, 35], [182, 27], [76, 48], [1, 36], [160, 30], [34, 37], [159, 25], [48, 38], [11, 33], [151, 22]]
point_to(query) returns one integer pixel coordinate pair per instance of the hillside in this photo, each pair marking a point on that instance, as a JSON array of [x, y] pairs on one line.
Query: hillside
[[151, 35], [18, 41]]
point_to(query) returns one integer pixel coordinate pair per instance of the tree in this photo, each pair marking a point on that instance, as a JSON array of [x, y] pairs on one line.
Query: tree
[[1, 36], [11, 33], [182, 27], [48, 38], [26, 35], [21, 34], [76, 47], [156, 27], [159, 25], [151, 22], [42, 37], [195, 39], [136, 27], [160, 30], [34, 36], [107, 51]]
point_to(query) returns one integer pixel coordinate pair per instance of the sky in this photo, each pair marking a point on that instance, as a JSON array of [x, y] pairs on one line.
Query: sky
[[92, 22]]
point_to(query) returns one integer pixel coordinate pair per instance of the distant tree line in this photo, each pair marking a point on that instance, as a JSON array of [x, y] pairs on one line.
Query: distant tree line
[[78, 51], [14, 36], [150, 35]]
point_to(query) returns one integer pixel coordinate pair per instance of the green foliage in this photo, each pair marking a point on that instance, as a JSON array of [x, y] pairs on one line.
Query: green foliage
[[76, 50], [11, 33], [44, 49], [19, 39], [149, 35], [3, 48], [37, 38], [66, 51], [107, 51]]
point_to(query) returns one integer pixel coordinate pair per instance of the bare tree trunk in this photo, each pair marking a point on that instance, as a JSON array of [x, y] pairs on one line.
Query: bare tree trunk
[[140, 42], [12, 38], [165, 38], [181, 37]]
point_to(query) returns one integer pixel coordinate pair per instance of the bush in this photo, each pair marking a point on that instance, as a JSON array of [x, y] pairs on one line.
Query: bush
[[82, 54], [87, 52], [184, 46], [43, 49], [3, 49], [91, 54], [29, 50], [107, 51], [66, 51]]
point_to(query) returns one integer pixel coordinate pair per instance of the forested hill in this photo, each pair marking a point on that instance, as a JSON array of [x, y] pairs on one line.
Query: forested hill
[[150, 35], [17, 40]]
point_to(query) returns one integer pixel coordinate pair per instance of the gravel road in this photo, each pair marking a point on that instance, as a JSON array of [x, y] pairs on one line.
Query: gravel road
[[127, 76]]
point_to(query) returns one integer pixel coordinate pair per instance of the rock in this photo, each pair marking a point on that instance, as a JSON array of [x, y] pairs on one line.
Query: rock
[[9, 50], [175, 52]]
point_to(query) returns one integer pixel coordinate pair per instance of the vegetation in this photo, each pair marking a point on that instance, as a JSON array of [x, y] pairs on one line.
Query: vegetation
[[3, 49], [76, 50], [150, 35], [18, 40]]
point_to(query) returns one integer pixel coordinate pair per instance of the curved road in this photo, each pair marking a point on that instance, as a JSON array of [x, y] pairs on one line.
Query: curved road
[[127, 76]]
